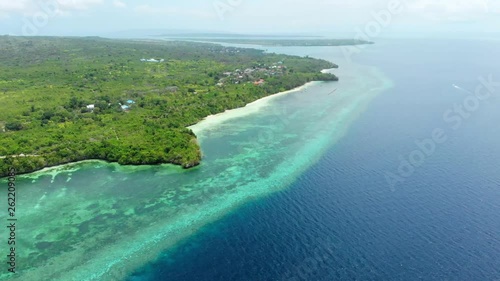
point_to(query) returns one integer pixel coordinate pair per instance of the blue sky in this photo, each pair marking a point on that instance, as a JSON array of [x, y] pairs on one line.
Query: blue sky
[[331, 17]]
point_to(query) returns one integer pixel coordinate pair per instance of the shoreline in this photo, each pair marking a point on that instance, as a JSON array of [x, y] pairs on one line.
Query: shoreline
[[69, 167], [122, 257], [248, 109], [204, 124]]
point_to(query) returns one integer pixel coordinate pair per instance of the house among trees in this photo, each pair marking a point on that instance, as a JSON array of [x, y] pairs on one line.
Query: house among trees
[[259, 82], [152, 60]]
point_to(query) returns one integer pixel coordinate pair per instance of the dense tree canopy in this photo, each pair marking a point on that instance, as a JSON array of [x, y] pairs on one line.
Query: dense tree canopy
[[70, 99]]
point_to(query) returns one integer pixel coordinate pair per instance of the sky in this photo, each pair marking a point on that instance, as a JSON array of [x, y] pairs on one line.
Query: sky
[[338, 18]]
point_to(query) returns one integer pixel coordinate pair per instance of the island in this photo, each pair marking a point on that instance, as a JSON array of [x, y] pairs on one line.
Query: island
[[65, 100], [321, 42]]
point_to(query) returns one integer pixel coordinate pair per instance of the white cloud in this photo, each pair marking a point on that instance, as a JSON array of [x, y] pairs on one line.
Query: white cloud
[[68, 5], [119, 4], [171, 11], [28, 8], [449, 10], [260, 15], [13, 6], [10, 7]]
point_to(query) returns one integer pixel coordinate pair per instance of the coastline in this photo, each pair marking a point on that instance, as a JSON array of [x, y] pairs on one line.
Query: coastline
[[206, 123], [250, 108], [185, 204]]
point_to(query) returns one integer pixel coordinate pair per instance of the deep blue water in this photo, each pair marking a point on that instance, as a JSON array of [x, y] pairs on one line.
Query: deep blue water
[[341, 220]]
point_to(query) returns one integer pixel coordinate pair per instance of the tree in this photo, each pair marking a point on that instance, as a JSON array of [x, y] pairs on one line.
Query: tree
[[14, 126]]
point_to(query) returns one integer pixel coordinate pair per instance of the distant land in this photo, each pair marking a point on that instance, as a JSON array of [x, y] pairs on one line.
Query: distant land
[[66, 100], [155, 33], [235, 35], [263, 39], [285, 42]]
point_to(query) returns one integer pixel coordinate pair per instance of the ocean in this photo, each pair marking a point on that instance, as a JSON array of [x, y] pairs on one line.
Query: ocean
[[388, 174]]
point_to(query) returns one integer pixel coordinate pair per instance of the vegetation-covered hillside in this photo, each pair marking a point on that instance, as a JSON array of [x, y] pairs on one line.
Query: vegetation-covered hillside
[[69, 99]]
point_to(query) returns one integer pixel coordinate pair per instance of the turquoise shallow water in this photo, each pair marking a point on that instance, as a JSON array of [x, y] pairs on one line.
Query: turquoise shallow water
[[341, 220], [97, 221]]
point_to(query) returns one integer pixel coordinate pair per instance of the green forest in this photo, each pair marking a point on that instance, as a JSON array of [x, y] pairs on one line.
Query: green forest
[[128, 101]]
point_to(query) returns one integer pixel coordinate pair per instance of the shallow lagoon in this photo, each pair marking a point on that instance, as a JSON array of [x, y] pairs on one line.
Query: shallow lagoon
[[98, 221]]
